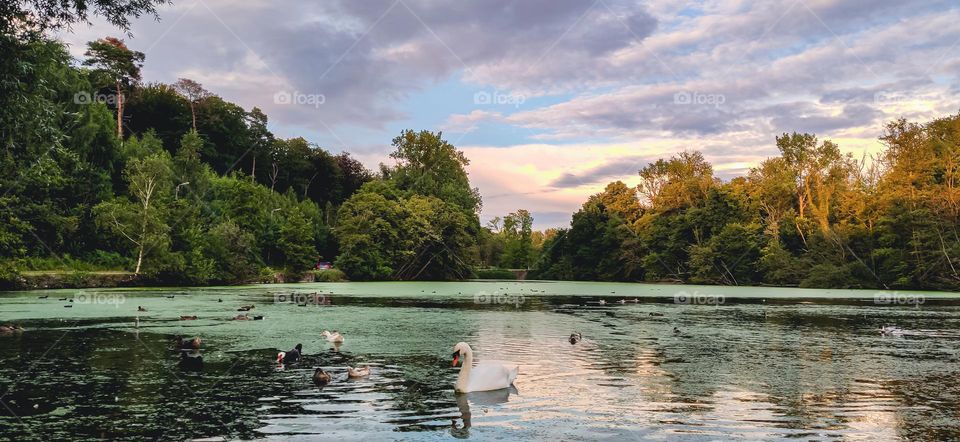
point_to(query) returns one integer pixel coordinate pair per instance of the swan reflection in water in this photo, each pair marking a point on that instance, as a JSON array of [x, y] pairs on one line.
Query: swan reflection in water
[[481, 399]]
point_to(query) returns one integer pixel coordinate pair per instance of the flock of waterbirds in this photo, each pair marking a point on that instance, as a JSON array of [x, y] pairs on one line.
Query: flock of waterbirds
[[472, 377]]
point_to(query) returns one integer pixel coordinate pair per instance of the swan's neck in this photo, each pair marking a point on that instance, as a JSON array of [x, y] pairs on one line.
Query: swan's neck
[[464, 376]]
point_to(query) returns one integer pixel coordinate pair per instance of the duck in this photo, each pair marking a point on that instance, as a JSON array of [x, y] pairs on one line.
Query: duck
[[622, 301], [358, 372], [170, 297], [676, 331], [242, 317], [68, 306], [290, 355], [334, 337], [9, 329], [656, 314], [219, 299], [44, 296], [258, 318], [186, 344], [188, 318], [485, 376], [63, 299], [575, 338], [245, 308], [602, 302], [141, 309], [321, 377]]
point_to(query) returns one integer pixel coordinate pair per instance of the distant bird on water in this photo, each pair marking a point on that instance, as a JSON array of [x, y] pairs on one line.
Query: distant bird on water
[[291, 355], [575, 338], [321, 377]]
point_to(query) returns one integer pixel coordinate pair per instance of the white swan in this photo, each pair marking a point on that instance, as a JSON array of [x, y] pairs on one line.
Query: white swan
[[485, 376], [334, 337]]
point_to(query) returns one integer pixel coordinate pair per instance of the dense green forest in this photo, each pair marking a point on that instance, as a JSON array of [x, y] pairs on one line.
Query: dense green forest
[[811, 217], [101, 170]]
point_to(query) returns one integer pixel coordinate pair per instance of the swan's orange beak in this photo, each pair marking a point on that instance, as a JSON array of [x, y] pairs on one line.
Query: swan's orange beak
[[456, 358]]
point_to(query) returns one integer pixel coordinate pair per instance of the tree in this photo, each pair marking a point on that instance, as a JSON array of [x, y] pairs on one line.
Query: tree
[[518, 243], [114, 60], [194, 93], [682, 181], [42, 15], [142, 222], [429, 165], [296, 241], [158, 108]]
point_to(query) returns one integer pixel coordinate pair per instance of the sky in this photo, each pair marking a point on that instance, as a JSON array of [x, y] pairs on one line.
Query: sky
[[553, 99]]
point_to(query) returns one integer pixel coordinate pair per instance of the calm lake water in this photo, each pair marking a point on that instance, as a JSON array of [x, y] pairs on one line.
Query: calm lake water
[[745, 363]]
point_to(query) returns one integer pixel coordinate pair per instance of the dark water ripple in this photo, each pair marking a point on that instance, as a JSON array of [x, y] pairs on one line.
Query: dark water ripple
[[747, 369]]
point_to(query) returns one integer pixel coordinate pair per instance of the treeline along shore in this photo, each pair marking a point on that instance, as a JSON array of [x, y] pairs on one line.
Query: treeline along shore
[[107, 177]]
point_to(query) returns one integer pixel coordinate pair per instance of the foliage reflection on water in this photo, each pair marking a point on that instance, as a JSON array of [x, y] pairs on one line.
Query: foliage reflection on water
[[755, 367]]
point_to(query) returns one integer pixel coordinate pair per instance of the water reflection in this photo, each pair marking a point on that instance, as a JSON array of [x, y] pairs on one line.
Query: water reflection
[[461, 430], [749, 370]]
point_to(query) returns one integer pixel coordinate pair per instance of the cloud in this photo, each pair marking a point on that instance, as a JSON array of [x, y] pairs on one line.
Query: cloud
[[604, 173]]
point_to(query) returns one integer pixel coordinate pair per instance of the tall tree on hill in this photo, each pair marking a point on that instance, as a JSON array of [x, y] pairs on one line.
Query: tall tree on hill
[[112, 59], [194, 93]]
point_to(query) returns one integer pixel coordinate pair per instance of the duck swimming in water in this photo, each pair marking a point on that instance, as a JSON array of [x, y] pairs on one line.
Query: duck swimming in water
[[358, 372], [9, 329], [291, 355], [575, 338], [321, 377], [141, 309], [334, 337], [186, 344], [188, 318]]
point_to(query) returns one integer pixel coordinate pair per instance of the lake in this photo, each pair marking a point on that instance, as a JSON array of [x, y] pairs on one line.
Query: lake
[[682, 362]]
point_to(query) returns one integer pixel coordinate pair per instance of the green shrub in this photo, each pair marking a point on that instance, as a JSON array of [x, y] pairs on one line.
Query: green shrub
[[9, 275], [329, 275]]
